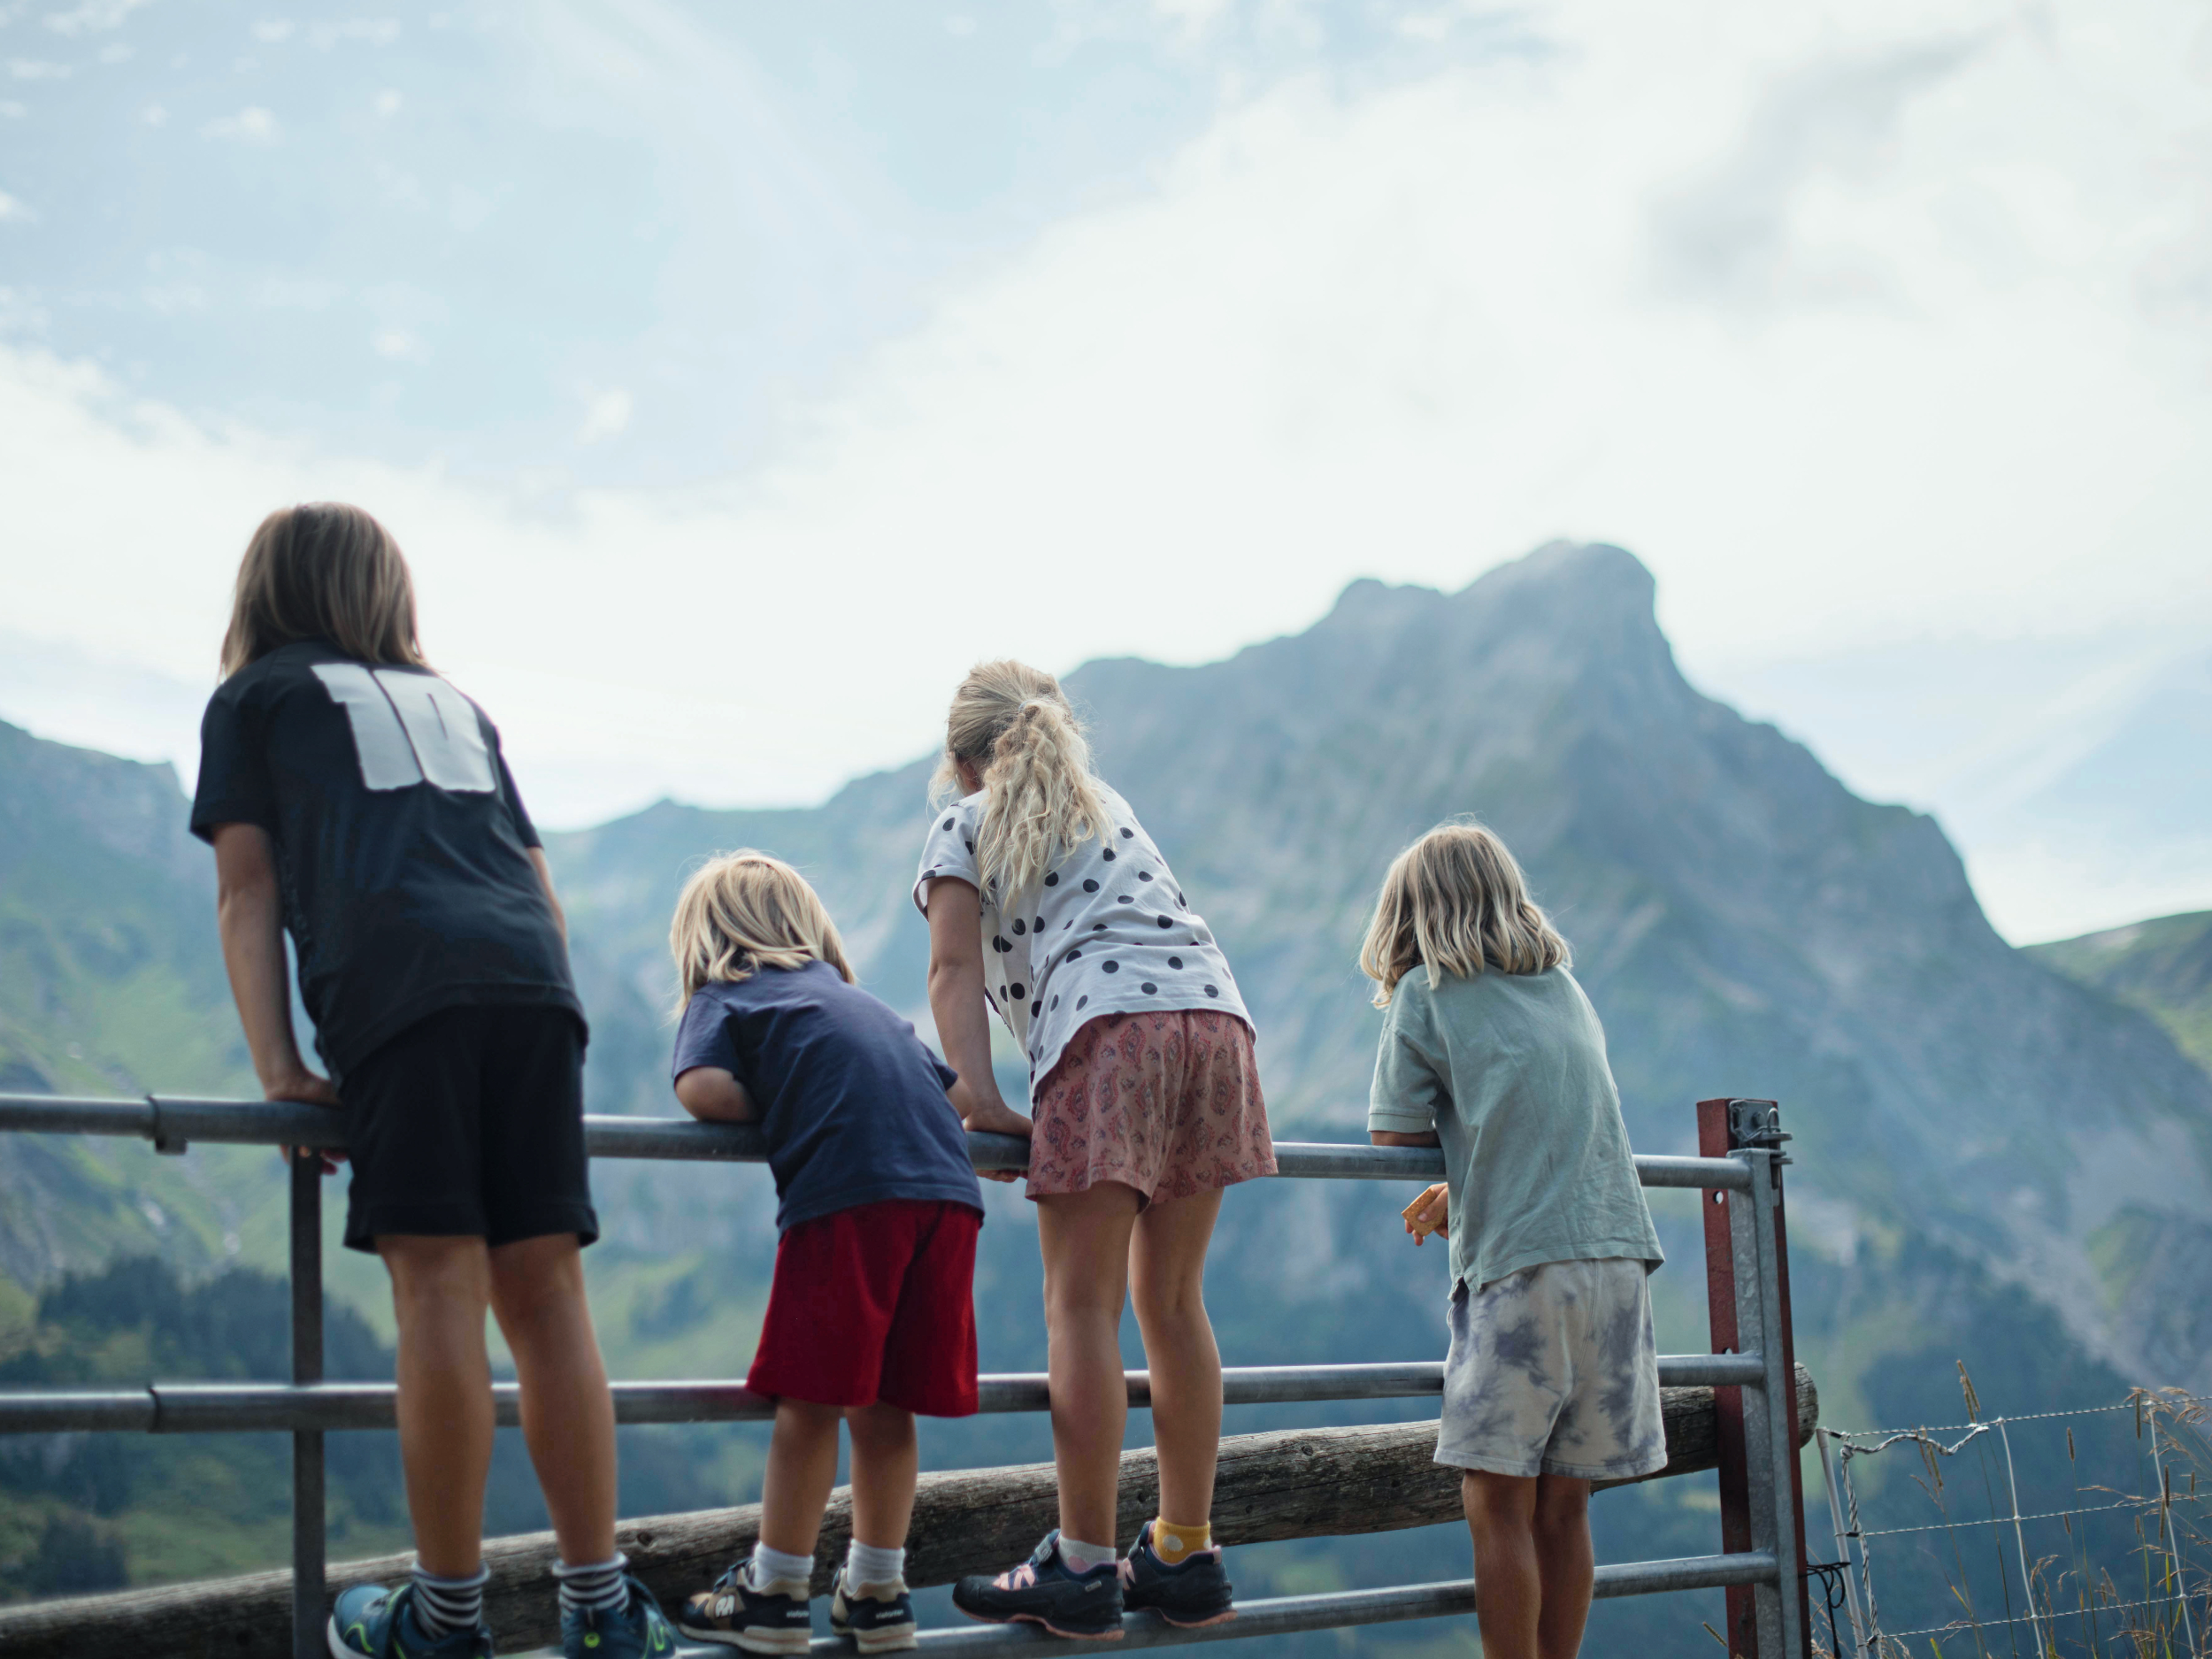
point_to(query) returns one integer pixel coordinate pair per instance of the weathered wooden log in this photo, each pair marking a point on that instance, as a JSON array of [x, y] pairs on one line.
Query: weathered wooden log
[[1306, 1483]]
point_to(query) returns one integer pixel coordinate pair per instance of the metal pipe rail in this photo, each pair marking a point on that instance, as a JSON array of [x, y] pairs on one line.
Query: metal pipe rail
[[309, 1408], [173, 1122], [1288, 1615], [337, 1408]]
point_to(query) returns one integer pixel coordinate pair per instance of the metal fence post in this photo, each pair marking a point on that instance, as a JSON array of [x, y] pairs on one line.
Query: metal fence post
[[1714, 1141], [308, 1514], [1770, 1441]]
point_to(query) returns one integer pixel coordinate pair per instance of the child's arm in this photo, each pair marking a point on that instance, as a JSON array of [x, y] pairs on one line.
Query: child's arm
[[250, 916], [956, 1001], [713, 1095]]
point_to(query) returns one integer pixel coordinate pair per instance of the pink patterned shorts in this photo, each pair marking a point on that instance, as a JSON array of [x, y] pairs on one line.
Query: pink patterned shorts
[[1167, 1103]]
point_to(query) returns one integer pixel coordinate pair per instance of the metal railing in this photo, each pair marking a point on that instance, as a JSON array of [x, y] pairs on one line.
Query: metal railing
[[1747, 1282]]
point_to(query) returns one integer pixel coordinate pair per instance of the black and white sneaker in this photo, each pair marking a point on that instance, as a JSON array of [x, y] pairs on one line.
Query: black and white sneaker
[[1194, 1591], [1045, 1590], [877, 1617], [769, 1618]]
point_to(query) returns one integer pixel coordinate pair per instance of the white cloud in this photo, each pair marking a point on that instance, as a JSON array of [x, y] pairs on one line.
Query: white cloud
[[399, 345], [387, 102], [252, 125], [607, 415], [1889, 373], [368, 31], [154, 115], [271, 30], [12, 111], [93, 17], [37, 69], [15, 212]]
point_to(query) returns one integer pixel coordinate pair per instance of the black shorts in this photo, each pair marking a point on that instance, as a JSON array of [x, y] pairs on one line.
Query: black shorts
[[470, 1123]]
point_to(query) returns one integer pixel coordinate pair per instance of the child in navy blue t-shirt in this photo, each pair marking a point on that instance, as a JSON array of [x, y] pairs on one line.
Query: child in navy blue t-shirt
[[871, 1316]]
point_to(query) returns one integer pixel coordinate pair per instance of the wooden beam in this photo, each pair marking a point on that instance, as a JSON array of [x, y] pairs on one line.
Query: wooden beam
[[1305, 1483]]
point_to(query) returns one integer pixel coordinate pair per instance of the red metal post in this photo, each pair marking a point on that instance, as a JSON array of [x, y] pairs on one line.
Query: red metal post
[[1713, 1142]]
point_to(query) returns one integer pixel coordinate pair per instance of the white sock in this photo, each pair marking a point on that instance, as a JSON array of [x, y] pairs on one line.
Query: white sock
[[771, 1565], [1082, 1557], [864, 1563]]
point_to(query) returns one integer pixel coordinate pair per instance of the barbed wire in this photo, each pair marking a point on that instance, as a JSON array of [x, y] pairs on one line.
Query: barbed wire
[[2049, 1616], [2147, 1405], [2003, 1520]]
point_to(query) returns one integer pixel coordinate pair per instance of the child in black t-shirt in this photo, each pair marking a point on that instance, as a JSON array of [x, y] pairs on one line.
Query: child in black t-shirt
[[356, 800], [871, 1315]]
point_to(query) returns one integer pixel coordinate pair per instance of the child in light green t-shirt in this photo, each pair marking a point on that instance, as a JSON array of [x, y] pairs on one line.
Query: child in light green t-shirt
[[1491, 1050]]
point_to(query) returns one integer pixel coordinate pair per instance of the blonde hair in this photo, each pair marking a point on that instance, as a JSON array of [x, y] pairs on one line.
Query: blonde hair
[[323, 569], [744, 911], [1012, 723], [1457, 901]]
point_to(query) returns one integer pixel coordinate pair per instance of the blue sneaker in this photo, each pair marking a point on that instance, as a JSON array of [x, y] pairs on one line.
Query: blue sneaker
[[1045, 1590], [371, 1622], [1195, 1591], [640, 1631]]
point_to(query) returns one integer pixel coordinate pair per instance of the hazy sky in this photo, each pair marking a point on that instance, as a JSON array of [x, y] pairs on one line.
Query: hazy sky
[[734, 377]]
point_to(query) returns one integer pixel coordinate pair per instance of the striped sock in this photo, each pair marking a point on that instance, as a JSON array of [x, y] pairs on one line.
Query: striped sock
[[445, 1605], [595, 1589]]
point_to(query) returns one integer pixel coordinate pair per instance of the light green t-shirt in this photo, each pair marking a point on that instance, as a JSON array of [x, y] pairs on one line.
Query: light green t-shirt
[[1509, 1069]]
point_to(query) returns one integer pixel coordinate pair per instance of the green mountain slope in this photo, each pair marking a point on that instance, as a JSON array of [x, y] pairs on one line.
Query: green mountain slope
[[1995, 1165], [2164, 967]]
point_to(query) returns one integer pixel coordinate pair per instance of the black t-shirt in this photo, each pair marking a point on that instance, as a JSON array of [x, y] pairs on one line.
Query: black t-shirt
[[400, 843], [852, 1104]]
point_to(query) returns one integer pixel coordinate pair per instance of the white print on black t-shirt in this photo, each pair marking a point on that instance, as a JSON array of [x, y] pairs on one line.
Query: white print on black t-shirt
[[409, 726]]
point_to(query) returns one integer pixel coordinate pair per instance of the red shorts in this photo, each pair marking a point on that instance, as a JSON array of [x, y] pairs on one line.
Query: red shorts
[[874, 1303]]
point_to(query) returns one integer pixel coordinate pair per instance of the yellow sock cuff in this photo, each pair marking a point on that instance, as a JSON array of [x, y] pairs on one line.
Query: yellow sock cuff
[[1174, 1544]]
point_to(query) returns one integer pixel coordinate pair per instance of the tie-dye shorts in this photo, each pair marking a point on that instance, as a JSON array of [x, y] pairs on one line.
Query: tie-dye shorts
[[1554, 1371]]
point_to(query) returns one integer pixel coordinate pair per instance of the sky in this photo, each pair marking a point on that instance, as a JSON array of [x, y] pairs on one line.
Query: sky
[[736, 376]]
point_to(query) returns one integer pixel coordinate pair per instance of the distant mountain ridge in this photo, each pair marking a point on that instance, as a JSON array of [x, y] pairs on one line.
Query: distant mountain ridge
[[1744, 924]]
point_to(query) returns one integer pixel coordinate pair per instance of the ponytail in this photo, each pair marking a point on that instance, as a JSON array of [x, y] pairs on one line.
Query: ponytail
[[1012, 723]]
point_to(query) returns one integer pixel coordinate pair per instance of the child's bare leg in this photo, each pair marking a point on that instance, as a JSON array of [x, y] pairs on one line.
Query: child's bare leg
[[886, 1463], [1167, 1261], [537, 1288], [802, 1469], [1565, 1562], [439, 1288], [1509, 1588], [1085, 1241]]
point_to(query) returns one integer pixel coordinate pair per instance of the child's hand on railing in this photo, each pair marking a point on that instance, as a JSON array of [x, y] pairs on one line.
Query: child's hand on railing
[[1429, 1213], [992, 1117], [310, 1088]]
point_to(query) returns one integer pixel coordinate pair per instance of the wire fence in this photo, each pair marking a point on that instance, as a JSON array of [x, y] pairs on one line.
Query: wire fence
[[2113, 1557]]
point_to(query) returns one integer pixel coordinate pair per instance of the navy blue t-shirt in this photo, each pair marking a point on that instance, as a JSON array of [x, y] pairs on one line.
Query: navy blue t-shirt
[[852, 1104]]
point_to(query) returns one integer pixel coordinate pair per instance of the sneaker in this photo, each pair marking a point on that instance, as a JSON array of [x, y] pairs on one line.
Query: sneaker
[[1194, 1591], [876, 1617], [1045, 1590], [640, 1631], [771, 1618], [371, 1622]]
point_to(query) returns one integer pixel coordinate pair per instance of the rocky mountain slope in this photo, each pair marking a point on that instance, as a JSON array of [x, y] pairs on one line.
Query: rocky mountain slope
[[1744, 924], [1995, 1165]]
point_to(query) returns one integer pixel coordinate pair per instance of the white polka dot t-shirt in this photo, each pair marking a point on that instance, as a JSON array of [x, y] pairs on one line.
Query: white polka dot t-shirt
[[1108, 932]]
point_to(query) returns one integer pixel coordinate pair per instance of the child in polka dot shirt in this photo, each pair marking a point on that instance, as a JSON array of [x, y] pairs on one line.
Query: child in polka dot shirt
[[1048, 904]]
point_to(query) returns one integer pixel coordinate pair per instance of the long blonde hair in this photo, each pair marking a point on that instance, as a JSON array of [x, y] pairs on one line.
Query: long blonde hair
[[1455, 901], [323, 569], [744, 911], [1012, 723]]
